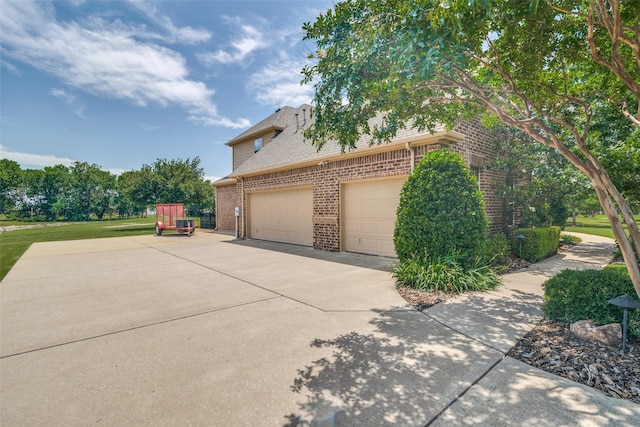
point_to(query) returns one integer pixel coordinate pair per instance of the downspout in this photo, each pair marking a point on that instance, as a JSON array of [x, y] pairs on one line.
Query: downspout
[[242, 210], [413, 155], [216, 202]]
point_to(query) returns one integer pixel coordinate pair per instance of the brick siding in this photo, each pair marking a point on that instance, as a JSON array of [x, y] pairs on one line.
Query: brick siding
[[480, 142], [327, 177], [226, 201]]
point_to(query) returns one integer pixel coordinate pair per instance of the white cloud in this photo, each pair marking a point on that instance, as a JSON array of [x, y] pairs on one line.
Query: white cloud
[[186, 35], [278, 84], [212, 178], [79, 111], [8, 66], [37, 160], [9, 121], [106, 60], [62, 94], [70, 99], [116, 171], [146, 127], [247, 40]]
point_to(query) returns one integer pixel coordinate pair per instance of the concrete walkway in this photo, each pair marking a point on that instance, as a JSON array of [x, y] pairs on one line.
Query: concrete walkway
[[512, 392], [210, 331]]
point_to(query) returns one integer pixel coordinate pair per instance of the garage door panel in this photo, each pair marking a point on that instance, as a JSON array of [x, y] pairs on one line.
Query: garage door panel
[[282, 216], [369, 216]]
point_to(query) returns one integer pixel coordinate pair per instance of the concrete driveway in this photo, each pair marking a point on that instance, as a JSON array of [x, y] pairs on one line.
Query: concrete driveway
[[204, 331], [207, 331]]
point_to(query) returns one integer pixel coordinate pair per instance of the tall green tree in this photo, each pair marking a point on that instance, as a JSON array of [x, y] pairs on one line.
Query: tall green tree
[[53, 190], [92, 191], [10, 178], [181, 181], [622, 158], [133, 195], [103, 198], [581, 199], [26, 195], [538, 66]]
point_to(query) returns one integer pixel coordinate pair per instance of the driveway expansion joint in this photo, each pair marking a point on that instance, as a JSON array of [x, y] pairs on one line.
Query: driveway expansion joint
[[241, 280], [463, 392], [478, 379], [134, 328]]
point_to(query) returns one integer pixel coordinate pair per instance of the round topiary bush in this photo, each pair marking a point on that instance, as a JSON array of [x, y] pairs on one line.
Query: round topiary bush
[[573, 295], [441, 211]]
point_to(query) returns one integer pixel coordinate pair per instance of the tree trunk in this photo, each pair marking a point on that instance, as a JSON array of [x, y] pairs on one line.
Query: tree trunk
[[625, 246], [605, 189]]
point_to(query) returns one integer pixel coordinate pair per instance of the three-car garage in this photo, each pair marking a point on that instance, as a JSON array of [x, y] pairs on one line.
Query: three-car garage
[[367, 215]]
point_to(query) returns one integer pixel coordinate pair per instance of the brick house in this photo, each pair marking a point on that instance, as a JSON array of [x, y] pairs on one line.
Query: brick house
[[288, 191]]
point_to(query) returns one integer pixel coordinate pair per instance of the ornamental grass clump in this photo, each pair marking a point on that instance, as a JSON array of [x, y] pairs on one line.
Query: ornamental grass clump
[[444, 274]]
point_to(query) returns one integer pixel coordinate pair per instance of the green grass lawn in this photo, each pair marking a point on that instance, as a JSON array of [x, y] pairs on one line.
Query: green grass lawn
[[14, 243], [598, 225]]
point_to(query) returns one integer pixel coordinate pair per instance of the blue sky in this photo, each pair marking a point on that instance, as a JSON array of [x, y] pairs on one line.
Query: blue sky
[[122, 83]]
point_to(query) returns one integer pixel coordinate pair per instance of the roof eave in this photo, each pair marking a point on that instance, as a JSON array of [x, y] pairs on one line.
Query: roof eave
[[243, 138], [444, 137], [224, 181]]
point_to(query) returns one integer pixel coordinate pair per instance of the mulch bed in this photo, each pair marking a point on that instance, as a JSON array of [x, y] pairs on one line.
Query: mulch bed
[[551, 347], [423, 299]]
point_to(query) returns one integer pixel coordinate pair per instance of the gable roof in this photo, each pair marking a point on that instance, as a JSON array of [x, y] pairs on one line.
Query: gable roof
[[290, 149], [276, 121]]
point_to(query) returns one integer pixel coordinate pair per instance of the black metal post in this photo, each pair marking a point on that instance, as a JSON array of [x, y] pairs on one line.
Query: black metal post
[[626, 303], [625, 325]]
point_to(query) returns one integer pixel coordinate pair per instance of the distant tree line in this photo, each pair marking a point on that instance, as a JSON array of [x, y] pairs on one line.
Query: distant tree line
[[83, 191]]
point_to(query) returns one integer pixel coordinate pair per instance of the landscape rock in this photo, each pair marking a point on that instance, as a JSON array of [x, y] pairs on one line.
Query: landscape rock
[[610, 334]]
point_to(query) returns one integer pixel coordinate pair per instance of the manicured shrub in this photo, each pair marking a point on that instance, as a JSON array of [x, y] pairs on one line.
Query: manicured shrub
[[441, 211], [496, 250], [582, 295], [539, 243], [444, 274]]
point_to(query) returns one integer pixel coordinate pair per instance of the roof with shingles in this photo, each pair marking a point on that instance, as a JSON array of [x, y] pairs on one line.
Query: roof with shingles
[[291, 147], [277, 120]]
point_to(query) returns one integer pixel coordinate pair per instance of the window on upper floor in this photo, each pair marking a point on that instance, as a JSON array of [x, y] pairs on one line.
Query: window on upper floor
[[475, 170], [257, 144]]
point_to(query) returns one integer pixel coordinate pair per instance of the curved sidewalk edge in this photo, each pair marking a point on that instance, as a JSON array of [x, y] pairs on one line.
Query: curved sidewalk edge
[[512, 392], [516, 394], [500, 318], [593, 252]]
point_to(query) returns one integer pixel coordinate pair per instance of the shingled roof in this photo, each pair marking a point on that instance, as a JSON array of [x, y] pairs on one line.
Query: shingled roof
[[290, 148], [276, 121]]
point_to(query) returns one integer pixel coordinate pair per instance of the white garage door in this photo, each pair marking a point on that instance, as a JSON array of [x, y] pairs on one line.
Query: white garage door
[[282, 216], [369, 216]]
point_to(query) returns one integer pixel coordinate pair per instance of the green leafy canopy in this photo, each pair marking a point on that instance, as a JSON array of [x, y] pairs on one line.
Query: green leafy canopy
[[538, 66]]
